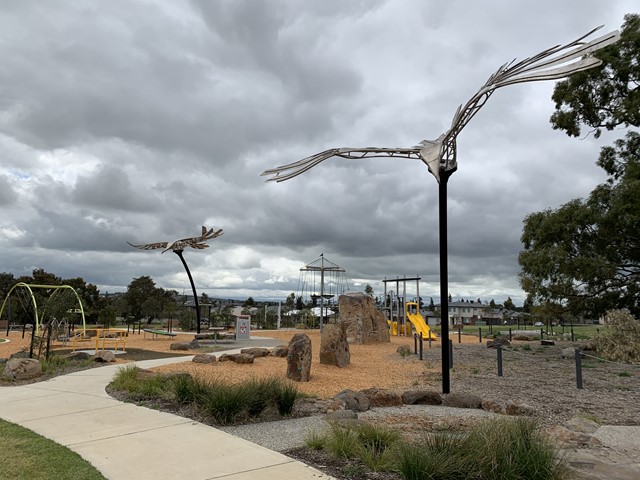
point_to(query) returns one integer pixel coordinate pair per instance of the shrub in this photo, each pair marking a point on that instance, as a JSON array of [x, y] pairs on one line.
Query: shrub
[[620, 342]]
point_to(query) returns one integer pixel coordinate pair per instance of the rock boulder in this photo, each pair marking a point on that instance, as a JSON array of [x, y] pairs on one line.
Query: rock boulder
[[299, 358], [363, 323], [334, 348], [22, 369]]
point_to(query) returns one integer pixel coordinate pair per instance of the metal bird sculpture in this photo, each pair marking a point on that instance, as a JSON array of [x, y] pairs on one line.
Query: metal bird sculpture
[[440, 154], [177, 247], [193, 242]]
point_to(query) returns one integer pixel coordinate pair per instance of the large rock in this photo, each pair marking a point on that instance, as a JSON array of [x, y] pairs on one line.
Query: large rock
[[379, 397], [22, 369], [104, 356], [256, 351], [334, 348], [363, 323], [421, 397], [461, 400], [518, 408], [566, 437], [243, 358], [279, 351], [299, 358], [503, 342], [356, 401], [179, 346], [236, 358], [203, 358]]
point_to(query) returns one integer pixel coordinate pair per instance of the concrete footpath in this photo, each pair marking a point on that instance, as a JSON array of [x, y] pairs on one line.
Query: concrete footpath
[[125, 441]]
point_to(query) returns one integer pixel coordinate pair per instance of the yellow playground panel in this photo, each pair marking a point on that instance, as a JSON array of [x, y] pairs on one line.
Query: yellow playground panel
[[417, 320], [101, 338], [398, 330]]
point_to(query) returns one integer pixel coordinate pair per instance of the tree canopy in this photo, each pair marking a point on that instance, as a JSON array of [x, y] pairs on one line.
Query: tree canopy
[[585, 254]]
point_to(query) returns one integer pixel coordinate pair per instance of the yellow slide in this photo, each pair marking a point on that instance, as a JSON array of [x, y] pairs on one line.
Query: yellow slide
[[418, 322]]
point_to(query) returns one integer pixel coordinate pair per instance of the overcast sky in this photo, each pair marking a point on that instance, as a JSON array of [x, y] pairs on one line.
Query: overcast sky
[[142, 120]]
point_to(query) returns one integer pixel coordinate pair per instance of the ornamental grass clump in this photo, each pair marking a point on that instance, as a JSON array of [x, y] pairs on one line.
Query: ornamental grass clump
[[491, 450]]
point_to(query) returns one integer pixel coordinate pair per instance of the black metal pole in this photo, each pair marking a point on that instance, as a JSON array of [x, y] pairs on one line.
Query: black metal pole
[[444, 279], [193, 289], [578, 357]]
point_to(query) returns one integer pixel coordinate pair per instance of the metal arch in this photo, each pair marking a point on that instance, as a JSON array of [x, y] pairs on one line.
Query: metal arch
[[35, 303]]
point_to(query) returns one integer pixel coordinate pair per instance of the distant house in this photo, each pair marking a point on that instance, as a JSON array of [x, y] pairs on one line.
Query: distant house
[[469, 313]]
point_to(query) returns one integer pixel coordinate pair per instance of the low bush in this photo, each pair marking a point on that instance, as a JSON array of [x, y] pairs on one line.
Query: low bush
[[620, 342]]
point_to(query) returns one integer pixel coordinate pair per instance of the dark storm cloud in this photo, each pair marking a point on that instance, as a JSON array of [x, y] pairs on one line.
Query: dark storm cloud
[[141, 121]]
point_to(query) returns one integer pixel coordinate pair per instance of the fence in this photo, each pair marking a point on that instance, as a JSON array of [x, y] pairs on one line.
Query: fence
[[537, 359]]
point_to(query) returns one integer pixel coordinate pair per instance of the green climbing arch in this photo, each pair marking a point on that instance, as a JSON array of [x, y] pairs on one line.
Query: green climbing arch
[[56, 289]]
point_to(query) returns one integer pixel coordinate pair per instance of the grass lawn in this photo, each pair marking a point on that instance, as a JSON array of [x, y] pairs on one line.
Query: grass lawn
[[29, 456]]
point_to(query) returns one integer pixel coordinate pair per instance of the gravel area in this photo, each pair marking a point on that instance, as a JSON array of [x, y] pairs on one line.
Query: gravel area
[[284, 435]]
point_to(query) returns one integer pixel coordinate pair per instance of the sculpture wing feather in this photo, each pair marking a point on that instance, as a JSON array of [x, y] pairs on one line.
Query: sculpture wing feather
[[554, 63], [150, 246], [285, 172]]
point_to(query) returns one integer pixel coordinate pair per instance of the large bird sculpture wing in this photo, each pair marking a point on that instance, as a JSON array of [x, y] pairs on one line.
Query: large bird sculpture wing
[[440, 154], [554, 63]]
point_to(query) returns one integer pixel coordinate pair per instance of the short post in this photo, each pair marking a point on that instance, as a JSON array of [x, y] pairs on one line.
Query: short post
[[24, 329], [480, 334], [578, 369], [459, 335], [450, 354], [139, 325], [542, 334], [421, 344], [510, 337], [573, 338], [499, 350], [415, 343]]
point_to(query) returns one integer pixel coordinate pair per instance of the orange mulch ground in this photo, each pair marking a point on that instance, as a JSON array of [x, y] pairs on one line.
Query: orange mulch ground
[[371, 365]]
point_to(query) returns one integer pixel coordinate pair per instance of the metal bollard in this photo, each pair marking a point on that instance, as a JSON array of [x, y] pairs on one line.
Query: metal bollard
[[480, 334], [499, 350], [510, 337], [542, 334], [415, 343], [421, 345], [450, 354], [578, 369], [459, 335]]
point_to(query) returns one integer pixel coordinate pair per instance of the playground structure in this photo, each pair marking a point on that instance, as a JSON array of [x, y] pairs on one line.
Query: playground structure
[[53, 323], [400, 314], [28, 301], [394, 309], [325, 281]]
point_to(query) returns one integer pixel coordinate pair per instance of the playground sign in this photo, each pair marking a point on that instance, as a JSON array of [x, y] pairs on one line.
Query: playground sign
[[243, 327]]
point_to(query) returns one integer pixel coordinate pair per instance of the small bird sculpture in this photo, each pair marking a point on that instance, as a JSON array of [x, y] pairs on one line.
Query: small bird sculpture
[[179, 245]]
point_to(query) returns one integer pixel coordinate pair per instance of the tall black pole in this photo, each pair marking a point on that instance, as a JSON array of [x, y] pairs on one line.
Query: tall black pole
[[444, 279], [193, 289]]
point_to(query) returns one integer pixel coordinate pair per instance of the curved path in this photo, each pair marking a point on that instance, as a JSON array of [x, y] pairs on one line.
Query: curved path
[[125, 441]]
